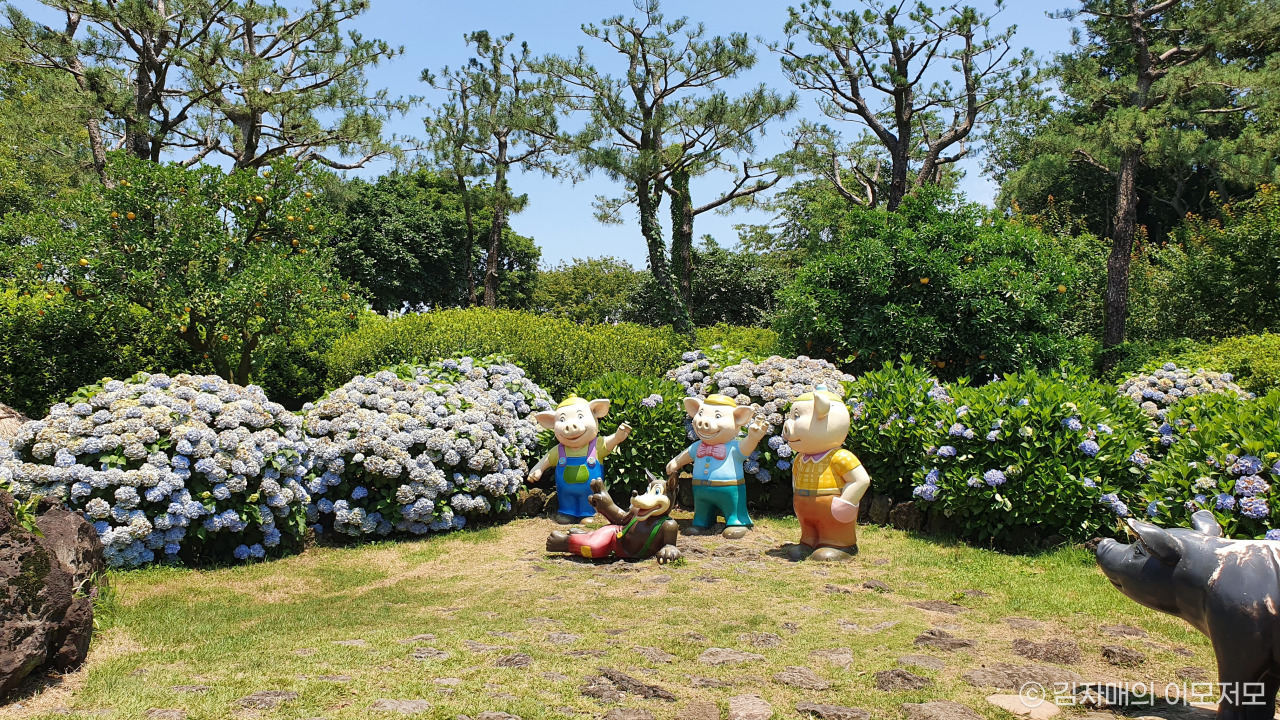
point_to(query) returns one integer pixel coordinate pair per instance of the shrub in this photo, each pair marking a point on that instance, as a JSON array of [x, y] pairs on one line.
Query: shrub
[[421, 448], [973, 295], [1035, 455], [753, 341], [146, 459], [1224, 454], [1156, 391], [655, 412], [1253, 360], [558, 354], [892, 413]]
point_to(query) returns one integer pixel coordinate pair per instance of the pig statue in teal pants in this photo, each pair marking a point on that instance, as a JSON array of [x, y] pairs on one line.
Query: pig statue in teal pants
[[719, 485]]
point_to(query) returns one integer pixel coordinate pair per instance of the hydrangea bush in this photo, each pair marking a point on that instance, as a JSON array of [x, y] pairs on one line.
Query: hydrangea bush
[[168, 468], [699, 366], [1223, 456], [1032, 455], [893, 412], [419, 449], [1156, 391]]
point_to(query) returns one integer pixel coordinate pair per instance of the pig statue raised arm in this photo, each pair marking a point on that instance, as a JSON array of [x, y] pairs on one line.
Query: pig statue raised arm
[[719, 485], [577, 455], [1227, 589]]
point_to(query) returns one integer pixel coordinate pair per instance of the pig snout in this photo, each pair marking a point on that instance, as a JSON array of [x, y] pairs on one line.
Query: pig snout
[[788, 430]]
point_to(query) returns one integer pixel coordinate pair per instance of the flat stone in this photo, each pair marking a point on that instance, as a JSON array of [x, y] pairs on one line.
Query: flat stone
[[749, 707], [555, 676], [653, 654], [1021, 623], [832, 712], [760, 639], [562, 638], [601, 688], [351, 643], [660, 579], [699, 710], [586, 653], [514, 660], [475, 646], [429, 653], [700, 681], [1123, 631], [335, 678], [167, 714], [942, 640], [1194, 674], [1054, 650], [876, 585], [939, 710], [539, 620], [791, 627], [266, 699], [1004, 676], [190, 688], [1015, 704], [424, 637], [1123, 656], [727, 656], [448, 682], [941, 606], [697, 637], [404, 707], [854, 627], [837, 589], [899, 679], [841, 656], [628, 714], [928, 662], [628, 684], [801, 677], [504, 634]]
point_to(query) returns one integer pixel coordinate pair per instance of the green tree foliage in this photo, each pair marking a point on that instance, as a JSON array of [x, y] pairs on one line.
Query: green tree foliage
[[247, 80], [227, 263], [941, 282], [594, 290], [1176, 91], [895, 49], [734, 287]]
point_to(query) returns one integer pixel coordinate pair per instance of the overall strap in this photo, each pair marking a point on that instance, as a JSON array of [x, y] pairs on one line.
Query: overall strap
[[560, 448], [591, 450], [652, 534]]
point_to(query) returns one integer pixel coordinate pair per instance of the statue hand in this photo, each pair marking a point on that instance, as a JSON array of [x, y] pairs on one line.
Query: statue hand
[[597, 486], [623, 432], [535, 475], [667, 554]]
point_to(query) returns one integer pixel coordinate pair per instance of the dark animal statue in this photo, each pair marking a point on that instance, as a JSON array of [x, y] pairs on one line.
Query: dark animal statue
[[1227, 589], [640, 532]]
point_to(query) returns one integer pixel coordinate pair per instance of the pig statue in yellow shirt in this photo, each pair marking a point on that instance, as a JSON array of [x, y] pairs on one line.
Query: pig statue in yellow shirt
[[827, 481]]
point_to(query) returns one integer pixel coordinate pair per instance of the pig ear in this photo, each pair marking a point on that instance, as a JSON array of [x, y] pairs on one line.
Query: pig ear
[[1205, 522], [692, 406], [547, 419], [1157, 541], [599, 407], [742, 415], [821, 405]]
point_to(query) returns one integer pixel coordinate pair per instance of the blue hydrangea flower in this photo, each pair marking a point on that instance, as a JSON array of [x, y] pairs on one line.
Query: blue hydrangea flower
[[1225, 502], [1273, 535], [1089, 447], [994, 478], [241, 552], [946, 451], [1153, 509], [1247, 465], [1254, 507], [1073, 424], [993, 436], [928, 493], [1139, 458]]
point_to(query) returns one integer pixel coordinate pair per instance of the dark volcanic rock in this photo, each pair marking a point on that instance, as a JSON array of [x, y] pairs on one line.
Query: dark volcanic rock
[[880, 507], [628, 684], [906, 516], [1012, 677], [899, 679], [832, 712], [1123, 656], [1054, 650], [942, 640], [801, 677], [939, 710]]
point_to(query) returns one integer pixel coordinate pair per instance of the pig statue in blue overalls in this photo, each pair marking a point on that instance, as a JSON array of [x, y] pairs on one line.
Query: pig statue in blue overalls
[[578, 453]]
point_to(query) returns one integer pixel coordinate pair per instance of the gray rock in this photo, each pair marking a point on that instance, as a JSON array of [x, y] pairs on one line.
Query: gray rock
[[699, 681], [425, 637], [876, 585], [1194, 674], [1021, 623], [749, 707], [942, 640], [653, 654], [628, 684], [727, 656], [514, 660], [429, 653], [925, 661], [555, 676], [841, 656], [496, 715], [266, 699], [801, 677], [899, 679], [480, 647], [880, 507], [1054, 650], [939, 710], [1123, 631], [760, 639], [628, 714], [907, 516], [601, 688], [836, 589], [562, 638], [940, 606], [697, 637], [699, 710], [351, 643], [1012, 677], [1123, 656], [832, 712], [404, 707], [587, 653]]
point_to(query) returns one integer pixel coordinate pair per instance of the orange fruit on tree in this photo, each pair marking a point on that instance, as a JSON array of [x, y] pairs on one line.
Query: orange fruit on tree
[[84, 263], [130, 216], [924, 281], [39, 266], [225, 337], [114, 214], [258, 199], [1062, 288], [346, 296], [311, 227]]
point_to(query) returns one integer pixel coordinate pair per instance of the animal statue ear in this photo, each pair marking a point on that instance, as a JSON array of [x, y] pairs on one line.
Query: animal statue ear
[[692, 406], [1157, 541], [599, 407], [1205, 522], [547, 419], [821, 405], [742, 415]]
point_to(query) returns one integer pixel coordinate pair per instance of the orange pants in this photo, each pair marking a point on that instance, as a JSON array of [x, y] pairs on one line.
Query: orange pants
[[818, 528]]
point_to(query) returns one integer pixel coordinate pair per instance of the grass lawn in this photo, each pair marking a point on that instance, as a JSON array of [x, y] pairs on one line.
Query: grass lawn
[[486, 595]]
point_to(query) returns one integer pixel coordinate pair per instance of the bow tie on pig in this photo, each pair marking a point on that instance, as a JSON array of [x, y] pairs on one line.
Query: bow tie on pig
[[716, 451]]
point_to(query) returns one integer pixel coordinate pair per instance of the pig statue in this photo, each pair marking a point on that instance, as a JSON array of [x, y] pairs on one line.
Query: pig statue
[[827, 481], [1227, 589], [577, 455], [719, 485], [644, 530]]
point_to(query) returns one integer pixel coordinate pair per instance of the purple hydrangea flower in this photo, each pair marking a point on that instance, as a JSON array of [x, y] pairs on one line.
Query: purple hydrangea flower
[[1089, 447], [1254, 507], [946, 451], [994, 478]]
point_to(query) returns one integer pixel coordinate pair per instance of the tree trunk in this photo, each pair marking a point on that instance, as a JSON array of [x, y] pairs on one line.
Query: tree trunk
[[137, 127], [673, 308], [682, 236], [901, 159], [495, 230], [471, 240], [1116, 300]]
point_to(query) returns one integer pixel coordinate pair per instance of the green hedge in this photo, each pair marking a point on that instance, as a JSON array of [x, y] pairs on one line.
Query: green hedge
[[558, 354], [1254, 360]]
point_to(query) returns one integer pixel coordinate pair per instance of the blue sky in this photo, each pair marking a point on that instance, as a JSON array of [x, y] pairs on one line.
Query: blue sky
[[559, 215]]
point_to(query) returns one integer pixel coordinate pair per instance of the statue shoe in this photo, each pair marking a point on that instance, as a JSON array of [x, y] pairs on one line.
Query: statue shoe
[[737, 532], [562, 519], [799, 552], [695, 530], [558, 541], [830, 554]]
